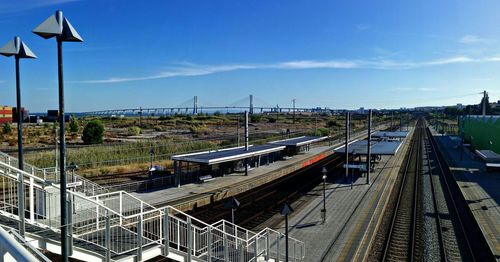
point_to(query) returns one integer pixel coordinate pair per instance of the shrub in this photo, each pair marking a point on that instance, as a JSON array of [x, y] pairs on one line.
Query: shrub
[[93, 132], [7, 129], [323, 132], [255, 118], [332, 123], [74, 127], [134, 131]]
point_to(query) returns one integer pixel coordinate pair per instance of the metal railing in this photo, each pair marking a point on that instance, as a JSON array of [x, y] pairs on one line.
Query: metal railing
[[15, 247], [118, 223], [51, 174]]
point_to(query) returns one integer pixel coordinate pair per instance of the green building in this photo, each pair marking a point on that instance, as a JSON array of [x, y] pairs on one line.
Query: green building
[[482, 132]]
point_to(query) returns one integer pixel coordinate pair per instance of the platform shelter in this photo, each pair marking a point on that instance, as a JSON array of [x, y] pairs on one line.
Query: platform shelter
[[299, 144], [202, 166]]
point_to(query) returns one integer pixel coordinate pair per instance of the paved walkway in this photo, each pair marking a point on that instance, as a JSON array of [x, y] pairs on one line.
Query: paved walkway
[[481, 189], [352, 214]]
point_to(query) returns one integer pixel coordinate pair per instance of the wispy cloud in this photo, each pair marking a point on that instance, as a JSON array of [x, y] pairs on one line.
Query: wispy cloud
[[189, 69], [472, 39], [7, 7], [363, 27]]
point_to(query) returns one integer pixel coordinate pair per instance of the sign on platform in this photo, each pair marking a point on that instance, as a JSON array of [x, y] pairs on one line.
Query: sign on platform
[[361, 167], [74, 184]]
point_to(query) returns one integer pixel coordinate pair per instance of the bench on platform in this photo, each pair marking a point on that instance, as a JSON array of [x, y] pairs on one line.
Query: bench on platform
[[206, 178]]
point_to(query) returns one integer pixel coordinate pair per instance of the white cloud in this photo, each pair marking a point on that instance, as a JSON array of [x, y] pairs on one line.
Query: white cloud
[[363, 27], [472, 39], [7, 7], [189, 69]]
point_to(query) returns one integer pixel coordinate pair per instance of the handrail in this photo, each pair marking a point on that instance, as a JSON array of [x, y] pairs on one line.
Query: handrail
[[11, 246]]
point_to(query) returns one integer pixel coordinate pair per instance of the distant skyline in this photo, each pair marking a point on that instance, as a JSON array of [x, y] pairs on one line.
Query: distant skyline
[[161, 53]]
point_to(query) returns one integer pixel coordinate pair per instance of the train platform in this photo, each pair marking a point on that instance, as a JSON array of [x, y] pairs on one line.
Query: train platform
[[480, 188], [352, 217], [193, 195]]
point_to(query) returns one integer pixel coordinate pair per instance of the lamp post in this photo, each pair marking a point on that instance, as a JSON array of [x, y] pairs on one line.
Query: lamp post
[[19, 49], [59, 27], [285, 211], [73, 166], [323, 211], [151, 156], [232, 204], [352, 171]]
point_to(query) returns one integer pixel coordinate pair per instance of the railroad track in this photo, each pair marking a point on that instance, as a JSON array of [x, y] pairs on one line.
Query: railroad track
[[460, 237], [402, 241], [261, 203]]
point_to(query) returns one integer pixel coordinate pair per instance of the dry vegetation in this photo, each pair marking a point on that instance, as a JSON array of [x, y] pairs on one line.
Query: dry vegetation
[[128, 141]]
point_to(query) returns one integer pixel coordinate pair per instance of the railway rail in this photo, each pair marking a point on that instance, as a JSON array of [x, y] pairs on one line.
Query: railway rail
[[261, 203], [401, 243], [460, 235], [457, 234]]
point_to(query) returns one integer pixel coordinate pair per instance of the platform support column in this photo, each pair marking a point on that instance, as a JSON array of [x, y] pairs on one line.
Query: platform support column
[[32, 199], [139, 238], [70, 226], [166, 233], [189, 239], [209, 244], [268, 244], [346, 144], [176, 174], [278, 247], [368, 155], [246, 142], [226, 250], [107, 236]]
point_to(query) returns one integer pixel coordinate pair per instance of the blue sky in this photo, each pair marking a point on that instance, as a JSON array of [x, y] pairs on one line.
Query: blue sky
[[338, 54]]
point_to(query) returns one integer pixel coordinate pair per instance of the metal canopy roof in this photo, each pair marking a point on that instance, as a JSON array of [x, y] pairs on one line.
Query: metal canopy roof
[[488, 156], [377, 148], [227, 155], [391, 134], [299, 141]]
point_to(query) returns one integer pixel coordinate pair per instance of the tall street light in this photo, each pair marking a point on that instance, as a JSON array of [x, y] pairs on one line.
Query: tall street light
[[19, 49], [323, 211], [285, 211], [232, 204], [59, 27], [151, 156]]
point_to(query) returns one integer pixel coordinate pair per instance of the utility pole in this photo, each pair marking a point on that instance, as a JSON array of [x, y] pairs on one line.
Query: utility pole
[[368, 155], [346, 143], [246, 142], [293, 111], [392, 117], [485, 95], [140, 116], [251, 104], [195, 105], [238, 130]]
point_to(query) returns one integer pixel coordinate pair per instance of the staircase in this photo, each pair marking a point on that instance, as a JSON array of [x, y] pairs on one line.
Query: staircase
[[116, 226]]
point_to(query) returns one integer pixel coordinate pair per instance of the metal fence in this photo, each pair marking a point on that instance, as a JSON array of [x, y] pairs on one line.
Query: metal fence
[[118, 223], [52, 174]]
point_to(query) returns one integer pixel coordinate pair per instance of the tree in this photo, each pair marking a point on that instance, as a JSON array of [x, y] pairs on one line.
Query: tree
[[74, 127], [93, 132], [7, 129]]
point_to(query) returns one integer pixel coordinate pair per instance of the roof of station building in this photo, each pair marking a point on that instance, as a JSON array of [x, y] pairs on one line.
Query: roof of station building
[[227, 155], [299, 141], [390, 134], [360, 147]]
